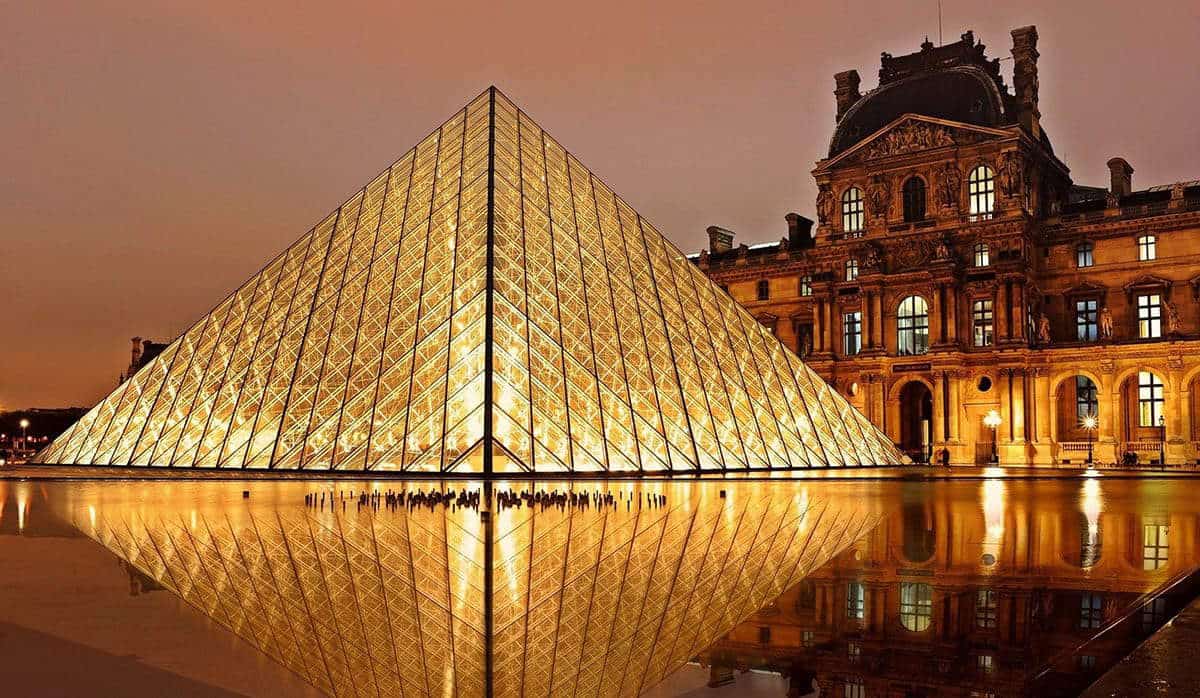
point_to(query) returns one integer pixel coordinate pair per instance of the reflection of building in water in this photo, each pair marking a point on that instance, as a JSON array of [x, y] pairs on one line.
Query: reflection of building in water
[[948, 598]]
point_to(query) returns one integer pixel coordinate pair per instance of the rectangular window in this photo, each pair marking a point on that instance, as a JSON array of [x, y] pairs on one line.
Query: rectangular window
[[1087, 326], [853, 652], [985, 663], [916, 606], [855, 689], [851, 269], [852, 333], [1150, 399], [986, 603], [1085, 255], [808, 638], [856, 601], [1154, 614], [1091, 611], [1087, 662], [764, 635], [983, 256], [1154, 546], [981, 321], [1149, 316], [1147, 248], [806, 285]]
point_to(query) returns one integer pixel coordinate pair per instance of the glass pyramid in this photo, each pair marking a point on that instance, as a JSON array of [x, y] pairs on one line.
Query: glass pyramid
[[485, 305], [364, 601]]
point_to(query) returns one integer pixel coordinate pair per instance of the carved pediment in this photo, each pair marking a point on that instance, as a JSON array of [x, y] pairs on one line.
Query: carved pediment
[[1148, 281], [911, 134], [1086, 288]]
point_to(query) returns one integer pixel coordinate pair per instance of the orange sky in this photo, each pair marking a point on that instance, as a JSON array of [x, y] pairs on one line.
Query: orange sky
[[156, 156]]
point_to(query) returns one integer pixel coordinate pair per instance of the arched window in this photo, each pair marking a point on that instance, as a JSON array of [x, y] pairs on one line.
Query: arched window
[[916, 606], [981, 191], [1150, 399], [983, 255], [1087, 404], [914, 199], [853, 211], [912, 326], [764, 290]]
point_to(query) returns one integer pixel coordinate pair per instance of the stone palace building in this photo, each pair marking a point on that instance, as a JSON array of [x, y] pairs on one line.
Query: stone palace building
[[965, 293]]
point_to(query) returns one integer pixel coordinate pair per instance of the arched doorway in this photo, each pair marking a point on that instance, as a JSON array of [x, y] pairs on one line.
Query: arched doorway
[[916, 421], [1077, 415], [1143, 430]]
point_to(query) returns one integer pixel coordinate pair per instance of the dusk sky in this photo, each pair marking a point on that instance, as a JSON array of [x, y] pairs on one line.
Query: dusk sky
[[157, 154]]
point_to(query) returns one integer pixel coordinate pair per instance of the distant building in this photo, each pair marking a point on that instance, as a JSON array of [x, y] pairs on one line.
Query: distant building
[[143, 352], [957, 270]]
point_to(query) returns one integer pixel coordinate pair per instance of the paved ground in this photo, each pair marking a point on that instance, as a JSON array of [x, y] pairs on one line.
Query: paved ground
[[1164, 665]]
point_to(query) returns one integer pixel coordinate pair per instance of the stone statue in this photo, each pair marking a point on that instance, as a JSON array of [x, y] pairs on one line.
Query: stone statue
[[1106, 323], [1174, 326], [872, 260], [805, 344], [949, 186], [1009, 175], [703, 258], [942, 251], [825, 205], [1043, 329], [880, 193], [784, 243]]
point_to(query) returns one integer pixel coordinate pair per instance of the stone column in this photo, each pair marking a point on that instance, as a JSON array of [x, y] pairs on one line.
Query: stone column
[[818, 338], [1044, 451], [939, 412], [937, 326], [956, 383], [1019, 404], [1003, 431], [1177, 413], [1018, 310], [827, 324], [952, 313], [879, 341], [1000, 313]]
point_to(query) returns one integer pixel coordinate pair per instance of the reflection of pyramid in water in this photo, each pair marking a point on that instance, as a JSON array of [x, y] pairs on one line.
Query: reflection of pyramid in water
[[366, 345], [584, 602]]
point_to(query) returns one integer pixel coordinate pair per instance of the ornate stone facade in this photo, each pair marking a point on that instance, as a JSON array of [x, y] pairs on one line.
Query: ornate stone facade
[[1027, 284]]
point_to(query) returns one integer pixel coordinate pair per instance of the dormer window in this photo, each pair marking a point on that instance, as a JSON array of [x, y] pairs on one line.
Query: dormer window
[[914, 199], [853, 211], [981, 190]]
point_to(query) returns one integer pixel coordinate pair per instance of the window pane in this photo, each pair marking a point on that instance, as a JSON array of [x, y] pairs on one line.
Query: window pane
[[852, 333], [853, 210], [912, 326], [981, 190], [981, 321], [916, 606]]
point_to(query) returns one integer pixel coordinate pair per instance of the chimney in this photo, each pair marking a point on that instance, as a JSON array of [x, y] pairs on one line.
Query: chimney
[[799, 232], [847, 91], [1025, 79], [719, 239], [136, 353], [1121, 177]]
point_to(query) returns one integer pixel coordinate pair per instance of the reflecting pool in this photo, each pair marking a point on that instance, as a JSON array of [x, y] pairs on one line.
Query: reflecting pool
[[594, 588]]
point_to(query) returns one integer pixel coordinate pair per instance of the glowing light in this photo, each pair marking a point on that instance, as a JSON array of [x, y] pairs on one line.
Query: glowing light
[[992, 419]]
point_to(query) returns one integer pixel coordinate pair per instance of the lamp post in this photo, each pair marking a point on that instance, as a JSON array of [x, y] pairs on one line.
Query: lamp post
[[1162, 441], [1089, 425], [24, 427], [992, 419]]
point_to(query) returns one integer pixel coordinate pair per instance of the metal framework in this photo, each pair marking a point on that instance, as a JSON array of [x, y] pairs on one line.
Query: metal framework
[[485, 305]]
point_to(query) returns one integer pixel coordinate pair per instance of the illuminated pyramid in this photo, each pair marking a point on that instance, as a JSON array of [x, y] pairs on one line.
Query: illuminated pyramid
[[484, 305], [598, 602]]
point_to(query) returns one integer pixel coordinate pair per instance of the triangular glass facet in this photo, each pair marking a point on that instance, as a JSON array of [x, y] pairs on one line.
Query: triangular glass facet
[[486, 287]]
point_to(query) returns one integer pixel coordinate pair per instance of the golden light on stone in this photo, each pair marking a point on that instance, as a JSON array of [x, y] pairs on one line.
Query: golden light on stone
[[485, 304]]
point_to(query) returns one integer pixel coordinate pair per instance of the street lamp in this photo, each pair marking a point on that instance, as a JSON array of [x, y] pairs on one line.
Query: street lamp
[[24, 426], [1089, 425], [992, 419], [1162, 441]]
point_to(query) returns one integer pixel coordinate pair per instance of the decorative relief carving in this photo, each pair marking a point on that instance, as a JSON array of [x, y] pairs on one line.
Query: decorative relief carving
[[909, 137], [949, 187], [1010, 175], [880, 193]]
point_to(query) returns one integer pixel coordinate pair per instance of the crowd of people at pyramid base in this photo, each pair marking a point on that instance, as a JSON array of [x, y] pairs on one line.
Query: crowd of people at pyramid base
[[392, 500]]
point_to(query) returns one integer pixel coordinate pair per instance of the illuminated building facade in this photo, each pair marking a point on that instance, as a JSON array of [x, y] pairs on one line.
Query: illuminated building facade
[[956, 270], [484, 305]]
